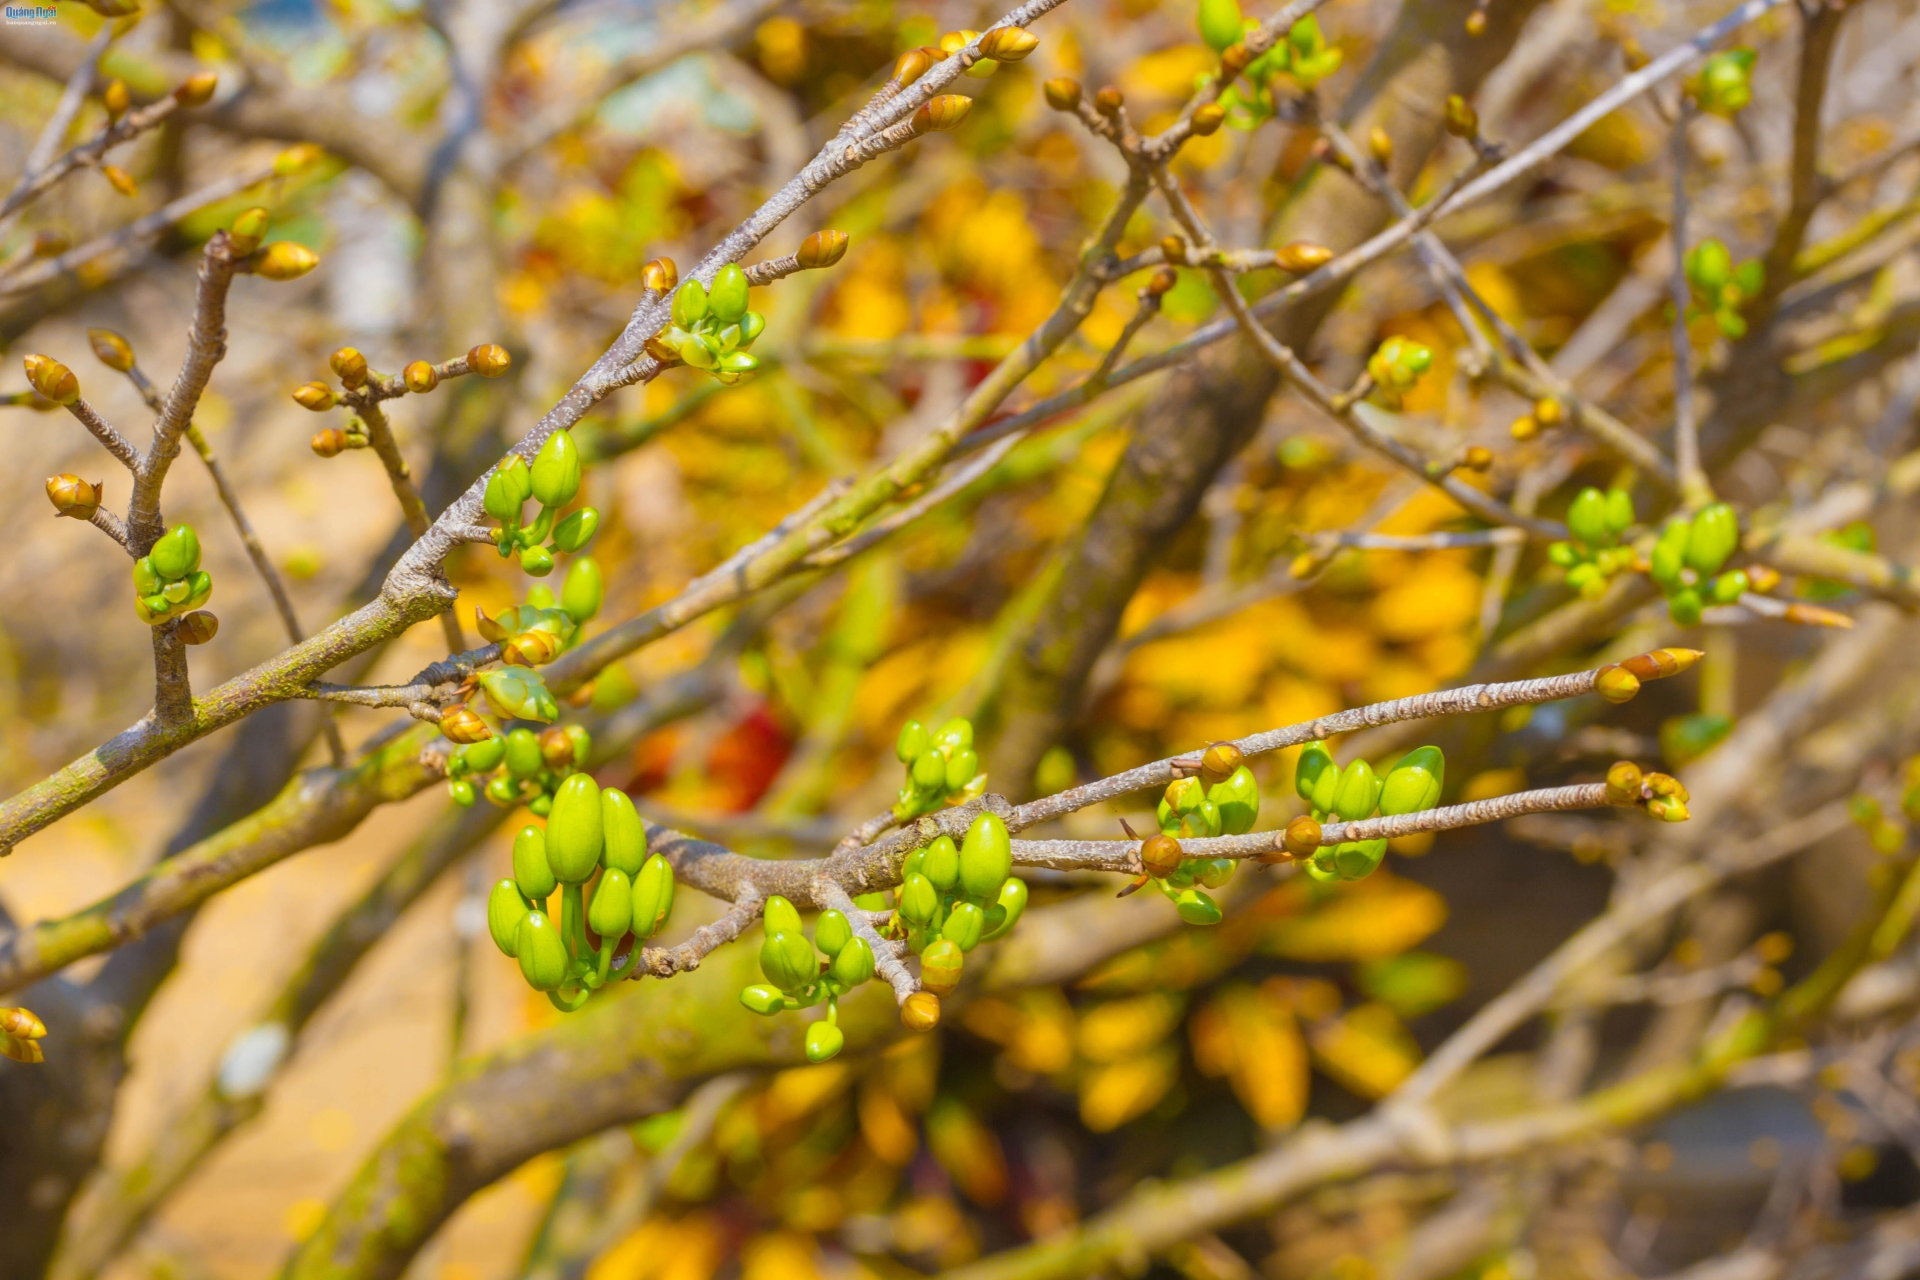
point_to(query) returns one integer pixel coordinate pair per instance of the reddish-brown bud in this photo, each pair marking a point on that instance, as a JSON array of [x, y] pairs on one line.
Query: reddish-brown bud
[[1302, 256], [1062, 93], [420, 377], [110, 349], [489, 359], [72, 496], [660, 275], [1161, 283], [824, 248], [349, 366], [463, 724], [197, 89], [941, 113], [198, 627], [1207, 120]]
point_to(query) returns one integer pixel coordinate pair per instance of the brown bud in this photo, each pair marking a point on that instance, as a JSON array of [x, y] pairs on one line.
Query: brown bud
[[197, 89], [248, 230], [72, 496], [114, 99], [1161, 283], [1462, 120], [1160, 855], [1235, 59], [1008, 44], [660, 275], [349, 366], [531, 649], [954, 41], [910, 66], [1109, 101], [1623, 783], [1062, 92], [1174, 249], [317, 396], [22, 1024], [1303, 256], [489, 359], [1219, 762], [1658, 664], [1547, 412], [198, 627], [111, 350], [921, 1012], [463, 724], [1380, 146], [1524, 428], [556, 747], [1303, 836], [120, 180], [1478, 458], [52, 379], [824, 248], [1207, 120], [944, 112], [420, 377], [285, 260], [1477, 23], [1616, 684], [329, 442]]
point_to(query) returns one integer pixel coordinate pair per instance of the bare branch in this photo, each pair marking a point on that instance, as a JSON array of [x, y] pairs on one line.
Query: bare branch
[[107, 434]]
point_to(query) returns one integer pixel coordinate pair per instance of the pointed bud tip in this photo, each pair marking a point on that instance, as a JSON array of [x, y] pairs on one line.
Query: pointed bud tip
[[111, 350], [197, 89], [285, 260], [1062, 93], [823, 248], [941, 113]]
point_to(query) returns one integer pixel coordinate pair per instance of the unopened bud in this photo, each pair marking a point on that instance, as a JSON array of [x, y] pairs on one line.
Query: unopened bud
[[1524, 428], [1461, 119], [120, 180], [1547, 412], [53, 380], [1665, 784], [1234, 59], [1008, 44], [1477, 23], [824, 248], [349, 366], [48, 243], [1616, 684], [1762, 578], [660, 275], [248, 230], [1160, 855], [1658, 664], [556, 747], [1062, 93], [531, 649], [1302, 836], [910, 66], [22, 1024], [1108, 101], [114, 98], [662, 350], [72, 496], [1161, 283], [1380, 146], [954, 41], [463, 724], [944, 112], [1208, 119], [489, 359], [1623, 783], [1668, 809], [1174, 249], [197, 89], [285, 260], [420, 377], [198, 627], [317, 396], [921, 1012], [1478, 458], [111, 350], [297, 158], [1303, 256], [328, 443], [1219, 762]]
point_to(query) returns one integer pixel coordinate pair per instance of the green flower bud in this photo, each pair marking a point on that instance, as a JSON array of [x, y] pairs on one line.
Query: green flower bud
[[1220, 24], [556, 470], [542, 953], [1683, 606], [727, 299], [611, 912], [519, 693], [1201, 821], [1358, 793], [962, 765], [506, 908], [824, 1041], [1730, 586], [780, 916], [1587, 518], [986, 857], [964, 925], [575, 830], [940, 966], [1008, 907], [911, 744], [508, 489], [941, 864], [461, 791], [1413, 785], [1356, 860], [623, 835], [200, 588], [831, 932], [853, 964], [763, 1000], [652, 896], [955, 735], [1238, 799], [502, 791], [1670, 553], [146, 579], [536, 561], [177, 554], [1195, 907], [1620, 515], [696, 352], [583, 590], [919, 900], [486, 755], [1715, 534], [522, 754], [689, 304], [577, 530], [177, 592], [929, 771], [1214, 872], [1709, 267], [1315, 761], [752, 325], [531, 870], [788, 961], [911, 864], [541, 805]]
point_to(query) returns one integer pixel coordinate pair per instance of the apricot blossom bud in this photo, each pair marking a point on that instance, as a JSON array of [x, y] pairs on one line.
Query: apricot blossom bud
[[921, 1012], [197, 89], [72, 496], [297, 158], [941, 113], [1380, 145], [53, 380], [114, 98], [248, 230], [660, 275], [1207, 120], [1008, 44], [1302, 256], [110, 349], [349, 366], [1108, 101], [1062, 93], [1616, 684], [824, 248], [420, 377], [489, 359], [329, 442], [1302, 837], [285, 260], [910, 66], [1658, 664], [1161, 283], [1461, 119], [317, 396], [1623, 782], [120, 180], [463, 724], [1478, 458]]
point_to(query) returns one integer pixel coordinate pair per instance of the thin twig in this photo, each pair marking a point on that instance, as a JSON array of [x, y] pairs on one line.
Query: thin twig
[[1694, 489]]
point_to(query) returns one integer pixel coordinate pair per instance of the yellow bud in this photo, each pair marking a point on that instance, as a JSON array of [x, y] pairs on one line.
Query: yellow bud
[[72, 496], [660, 275], [1161, 283], [1623, 782], [1461, 119], [52, 379], [285, 260], [248, 230], [120, 180], [1108, 101], [1633, 55], [1302, 836], [1302, 256], [463, 725], [1547, 412], [941, 113], [911, 65], [1234, 59], [1762, 577], [1062, 92], [531, 649], [661, 350], [329, 442], [317, 396], [921, 1012], [824, 248], [1477, 23], [1658, 664], [111, 350], [1478, 458], [114, 99], [48, 243], [1208, 119], [297, 159], [420, 377], [1616, 684], [349, 366], [1380, 144], [1665, 784], [1524, 428], [1174, 249], [489, 359], [1009, 44], [954, 41], [22, 1024], [197, 89], [198, 627]]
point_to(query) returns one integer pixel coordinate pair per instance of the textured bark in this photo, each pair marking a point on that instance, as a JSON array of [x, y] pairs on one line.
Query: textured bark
[[1212, 408]]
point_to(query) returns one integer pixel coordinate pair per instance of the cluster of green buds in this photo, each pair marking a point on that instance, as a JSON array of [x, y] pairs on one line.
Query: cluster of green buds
[[1222, 799], [168, 583], [1395, 368], [21, 1032], [1687, 558], [1594, 554], [1660, 794], [1720, 288], [590, 832], [953, 898], [712, 327], [553, 481], [799, 978], [1304, 56], [517, 767], [1724, 83], [942, 768], [1352, 794]]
